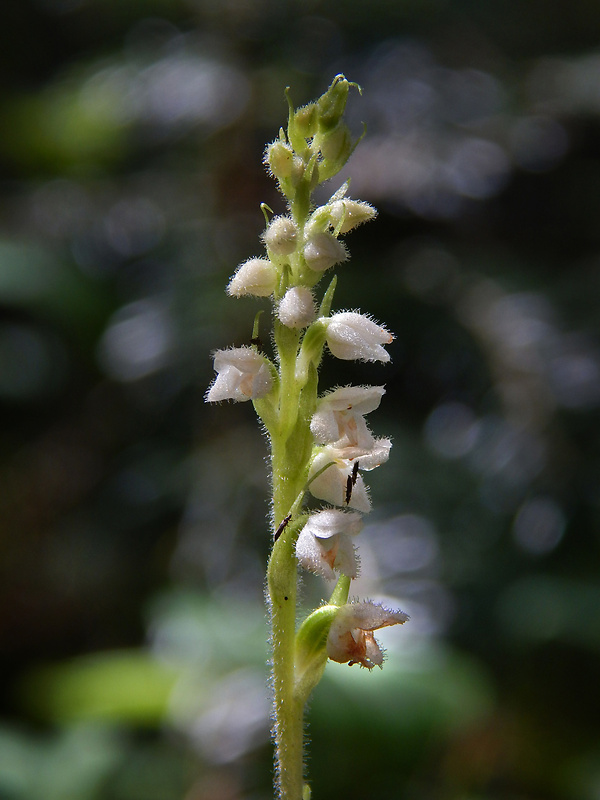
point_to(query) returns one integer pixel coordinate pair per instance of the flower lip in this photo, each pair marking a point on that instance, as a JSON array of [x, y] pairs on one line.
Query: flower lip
[[351, 640]]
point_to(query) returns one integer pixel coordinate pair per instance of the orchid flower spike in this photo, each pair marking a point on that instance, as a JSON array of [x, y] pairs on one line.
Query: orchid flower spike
[[325, 543], [242, 374], [351, 640]]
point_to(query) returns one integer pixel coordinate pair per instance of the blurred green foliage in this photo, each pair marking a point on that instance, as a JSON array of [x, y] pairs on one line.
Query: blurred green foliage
[[133, 539]]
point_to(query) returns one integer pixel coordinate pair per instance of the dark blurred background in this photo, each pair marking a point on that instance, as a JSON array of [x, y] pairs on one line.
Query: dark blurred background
[[133, 539]]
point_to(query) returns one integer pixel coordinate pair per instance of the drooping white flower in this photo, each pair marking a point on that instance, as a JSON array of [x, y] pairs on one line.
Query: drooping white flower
[[351, 335], [242, 374], [257, 277], [333, 486], [325, 544], [297, 307], [339, 418], [281, 235], [351, 640], [322, 250]]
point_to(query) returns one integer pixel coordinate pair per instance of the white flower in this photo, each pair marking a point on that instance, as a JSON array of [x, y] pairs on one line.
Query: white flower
[[351, 639], [351, 335], [340, 484], [339, 418], [297, 307], [257, 277], [352, 212], [242, 374], [280, 237], [323, 250], [325, 543]]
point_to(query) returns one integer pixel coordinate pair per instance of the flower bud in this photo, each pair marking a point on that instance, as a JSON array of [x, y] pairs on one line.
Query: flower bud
[[280, 159], [354, 336], [331, 105], [281, 235], [257, 277], [305, 120], [297, 308], [347, 214], [242, 374], [336, 146], [323, 250]]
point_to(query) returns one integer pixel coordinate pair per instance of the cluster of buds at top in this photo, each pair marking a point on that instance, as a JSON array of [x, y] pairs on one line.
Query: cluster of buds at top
[[301, 246]]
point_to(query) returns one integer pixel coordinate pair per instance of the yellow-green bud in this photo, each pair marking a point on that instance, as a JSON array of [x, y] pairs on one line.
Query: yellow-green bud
[[305, 120], [336, 147], [280, 159]]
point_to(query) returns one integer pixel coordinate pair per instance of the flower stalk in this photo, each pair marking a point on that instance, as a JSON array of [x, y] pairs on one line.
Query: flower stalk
[[318, 446]]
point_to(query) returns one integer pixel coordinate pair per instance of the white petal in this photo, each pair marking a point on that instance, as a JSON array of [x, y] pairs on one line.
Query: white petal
[[332, 521], [362, 399], [310, 554], [379, 454]]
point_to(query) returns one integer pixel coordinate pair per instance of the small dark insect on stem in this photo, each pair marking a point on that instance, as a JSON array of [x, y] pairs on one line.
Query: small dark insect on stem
[[282, 527]]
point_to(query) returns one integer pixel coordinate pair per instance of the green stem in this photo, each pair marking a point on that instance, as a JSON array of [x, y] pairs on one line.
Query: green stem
[[291, 445], [289, 711]]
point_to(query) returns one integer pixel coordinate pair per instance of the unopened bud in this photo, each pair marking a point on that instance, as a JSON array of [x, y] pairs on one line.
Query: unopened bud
[[336, 145], [280, 159], [354, 336], [297, 308], [323, 250], [257, 277], [331, 105], [305, 120], [347, 214], [281, 235]]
